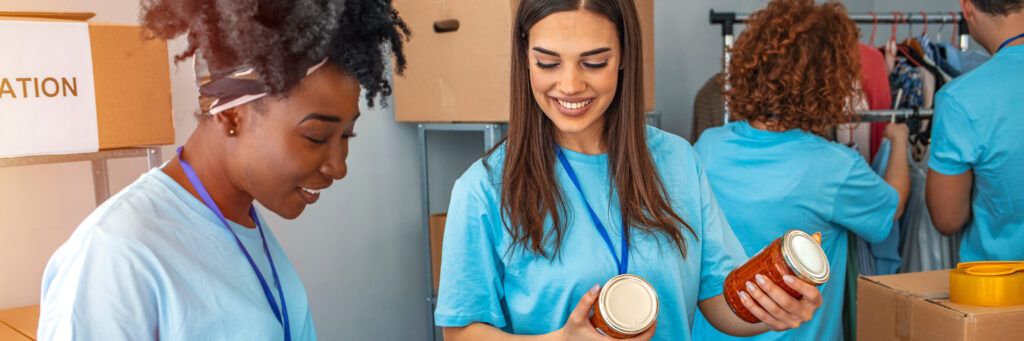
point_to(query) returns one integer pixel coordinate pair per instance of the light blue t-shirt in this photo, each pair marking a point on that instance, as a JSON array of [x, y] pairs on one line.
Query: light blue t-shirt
[[524, 293], [154, 263], [770, 182], [978, 120]]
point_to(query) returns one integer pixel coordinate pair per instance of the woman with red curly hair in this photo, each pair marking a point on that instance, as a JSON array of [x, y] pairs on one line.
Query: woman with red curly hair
[[793, 78]]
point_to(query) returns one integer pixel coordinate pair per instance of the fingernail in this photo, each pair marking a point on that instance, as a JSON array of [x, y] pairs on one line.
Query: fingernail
[[760, 279], [595, 288], [750, 286], [743, 296], [789, 279]]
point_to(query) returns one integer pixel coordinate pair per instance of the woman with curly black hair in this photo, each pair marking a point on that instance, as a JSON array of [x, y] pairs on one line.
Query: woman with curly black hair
[[182, 254]]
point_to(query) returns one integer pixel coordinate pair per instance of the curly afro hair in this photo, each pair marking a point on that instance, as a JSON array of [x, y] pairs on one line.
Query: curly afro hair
[[796, 65], [281, 39]]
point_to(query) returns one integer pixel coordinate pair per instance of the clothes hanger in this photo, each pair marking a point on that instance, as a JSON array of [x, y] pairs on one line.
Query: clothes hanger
[[874, 27], [956, 30], [924, 17], [895, 24]]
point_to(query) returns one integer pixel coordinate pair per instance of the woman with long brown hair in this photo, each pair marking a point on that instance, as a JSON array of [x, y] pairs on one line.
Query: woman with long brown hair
[[582, 190], [793, 76]]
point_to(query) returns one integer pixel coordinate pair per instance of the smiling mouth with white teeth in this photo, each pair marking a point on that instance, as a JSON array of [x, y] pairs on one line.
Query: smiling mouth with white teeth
[[574, 105], [310, 195]]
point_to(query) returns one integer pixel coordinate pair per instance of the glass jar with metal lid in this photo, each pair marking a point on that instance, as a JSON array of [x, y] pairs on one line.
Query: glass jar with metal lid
[[796, 253], [626, 307]]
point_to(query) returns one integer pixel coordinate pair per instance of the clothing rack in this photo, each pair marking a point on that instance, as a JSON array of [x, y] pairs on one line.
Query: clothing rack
[[729, 20], [887, 115]]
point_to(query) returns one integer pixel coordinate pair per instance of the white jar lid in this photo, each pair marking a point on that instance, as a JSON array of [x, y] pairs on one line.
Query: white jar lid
[[805, 257], [629, 304]]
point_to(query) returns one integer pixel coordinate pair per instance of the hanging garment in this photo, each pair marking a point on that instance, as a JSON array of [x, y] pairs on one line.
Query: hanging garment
[[921, 246], [874, 79], [916, 57], [905, 77], [882, 257], [928, 83], [709, 106], [928, 56], [959, 62]]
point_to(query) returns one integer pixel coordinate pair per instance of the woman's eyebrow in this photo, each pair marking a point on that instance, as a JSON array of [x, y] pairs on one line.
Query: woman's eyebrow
[[321, 117]]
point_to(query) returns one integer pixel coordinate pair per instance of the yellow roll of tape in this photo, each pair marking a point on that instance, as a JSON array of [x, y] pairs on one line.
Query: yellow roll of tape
[[988, 284]]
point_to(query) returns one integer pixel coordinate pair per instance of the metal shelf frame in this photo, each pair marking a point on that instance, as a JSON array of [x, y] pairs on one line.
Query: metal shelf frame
[[492, 133], [100, 175]]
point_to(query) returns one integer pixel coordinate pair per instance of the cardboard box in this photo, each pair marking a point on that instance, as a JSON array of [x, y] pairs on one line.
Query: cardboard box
[[916, 306], [463, 76], [436, 224], [130, 82], [8, 334], [24, 321]]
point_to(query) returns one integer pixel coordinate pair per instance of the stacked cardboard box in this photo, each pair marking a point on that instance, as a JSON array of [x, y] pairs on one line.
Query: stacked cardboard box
[[916, 306], [462, 75], [129, 84]]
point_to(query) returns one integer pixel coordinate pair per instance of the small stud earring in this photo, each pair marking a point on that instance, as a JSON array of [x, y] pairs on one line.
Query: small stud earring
[[231, 132]]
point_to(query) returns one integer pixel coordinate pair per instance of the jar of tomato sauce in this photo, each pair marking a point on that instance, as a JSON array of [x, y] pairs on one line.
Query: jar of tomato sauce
[[796, 254]]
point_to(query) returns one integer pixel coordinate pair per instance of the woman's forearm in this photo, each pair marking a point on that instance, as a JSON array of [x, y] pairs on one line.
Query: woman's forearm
[[718, 313], [897, 174], [483, 331]]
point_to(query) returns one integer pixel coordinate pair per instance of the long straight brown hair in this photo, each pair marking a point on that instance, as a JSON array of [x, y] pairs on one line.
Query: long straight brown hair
[[529, 189]]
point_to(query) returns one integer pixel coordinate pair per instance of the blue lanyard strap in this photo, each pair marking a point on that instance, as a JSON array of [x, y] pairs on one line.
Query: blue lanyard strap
[[1009, 41], [623, 265], [282, 313]]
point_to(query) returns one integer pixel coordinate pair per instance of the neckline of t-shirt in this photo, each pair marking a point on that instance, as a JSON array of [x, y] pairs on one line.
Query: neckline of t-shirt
[[198, 207], [744, 128], [1014, 49], [573, 155]]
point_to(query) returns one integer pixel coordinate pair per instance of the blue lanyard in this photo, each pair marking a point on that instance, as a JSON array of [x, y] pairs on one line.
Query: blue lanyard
[[1008, 41], [282, 314], [623, 265]]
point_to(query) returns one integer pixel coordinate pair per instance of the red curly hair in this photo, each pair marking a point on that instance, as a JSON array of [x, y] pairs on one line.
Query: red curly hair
[[796, 66]]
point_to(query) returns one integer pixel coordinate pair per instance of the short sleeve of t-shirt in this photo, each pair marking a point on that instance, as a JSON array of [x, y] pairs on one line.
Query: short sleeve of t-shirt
[[470, 289], [721, 251], [865, 203], [955, 145]]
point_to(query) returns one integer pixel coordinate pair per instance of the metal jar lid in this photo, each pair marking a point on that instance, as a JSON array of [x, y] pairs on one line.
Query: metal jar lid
[[628, 303], [805, 257]]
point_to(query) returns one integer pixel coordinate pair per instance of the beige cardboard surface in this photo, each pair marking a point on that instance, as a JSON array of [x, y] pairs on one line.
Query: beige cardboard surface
[[132, 82], [8, 334], [133, 87], [463, 76], [916, 306], [436, 225], [24, 320]]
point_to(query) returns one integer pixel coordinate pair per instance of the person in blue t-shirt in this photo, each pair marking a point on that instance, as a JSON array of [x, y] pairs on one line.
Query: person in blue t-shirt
[[182, 253], [580, 191], [793, 76], [975, 181]]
